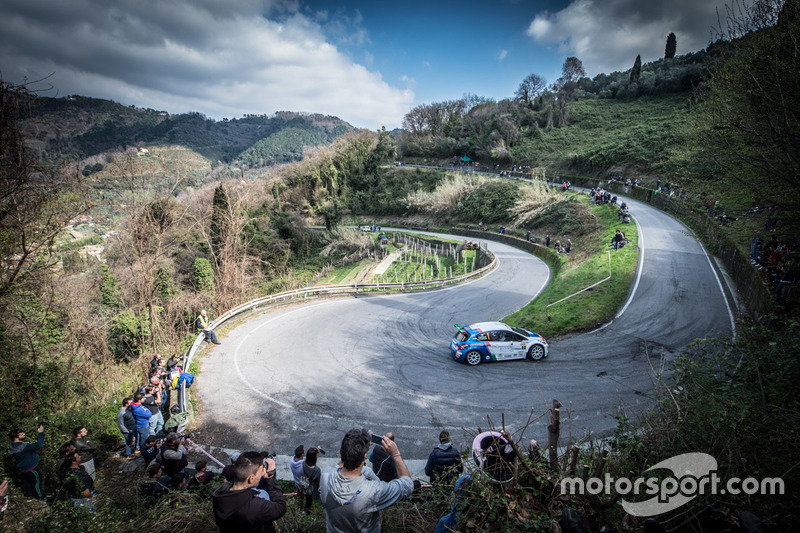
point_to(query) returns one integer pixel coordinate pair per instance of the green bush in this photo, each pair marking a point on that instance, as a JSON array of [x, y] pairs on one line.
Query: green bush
[[203, 275], [128, 334], [490, 203]]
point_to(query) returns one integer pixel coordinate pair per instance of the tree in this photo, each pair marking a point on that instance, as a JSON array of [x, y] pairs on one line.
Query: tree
[[636, 71], [531, 87], [219, 210], [748, 118], [566, 88], [672, 45]]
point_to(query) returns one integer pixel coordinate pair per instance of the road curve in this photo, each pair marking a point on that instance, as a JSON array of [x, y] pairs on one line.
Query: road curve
[[304, 374]]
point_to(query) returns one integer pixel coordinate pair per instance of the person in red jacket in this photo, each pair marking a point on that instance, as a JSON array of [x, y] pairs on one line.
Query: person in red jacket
[[241, 507]]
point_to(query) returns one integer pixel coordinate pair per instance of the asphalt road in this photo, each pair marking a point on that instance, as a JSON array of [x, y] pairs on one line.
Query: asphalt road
[[304, 374]]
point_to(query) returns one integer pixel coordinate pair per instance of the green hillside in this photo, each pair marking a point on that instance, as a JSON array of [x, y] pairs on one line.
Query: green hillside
[[641, 136], [79, 127]]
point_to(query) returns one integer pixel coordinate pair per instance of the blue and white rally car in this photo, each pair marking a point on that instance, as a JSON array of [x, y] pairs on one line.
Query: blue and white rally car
[[495, 341]]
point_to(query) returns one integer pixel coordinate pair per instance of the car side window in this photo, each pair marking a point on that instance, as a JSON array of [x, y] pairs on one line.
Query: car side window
[[514, 337], [498, 336], [482, 337]]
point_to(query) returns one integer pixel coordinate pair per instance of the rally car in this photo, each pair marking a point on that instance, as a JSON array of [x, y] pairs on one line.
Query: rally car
[[495, 341]]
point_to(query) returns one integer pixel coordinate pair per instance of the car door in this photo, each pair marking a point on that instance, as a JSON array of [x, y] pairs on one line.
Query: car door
[[499, 347], [517, 345]]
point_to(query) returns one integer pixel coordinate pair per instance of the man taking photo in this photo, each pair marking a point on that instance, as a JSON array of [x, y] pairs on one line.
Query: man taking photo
[[241, 507], [352, 495]]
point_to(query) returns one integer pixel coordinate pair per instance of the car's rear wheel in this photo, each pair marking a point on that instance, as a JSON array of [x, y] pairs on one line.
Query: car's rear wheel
[[536, 352], [473, 358]]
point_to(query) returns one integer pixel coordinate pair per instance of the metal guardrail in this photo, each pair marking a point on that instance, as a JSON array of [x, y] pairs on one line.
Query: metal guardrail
[[332, 290]]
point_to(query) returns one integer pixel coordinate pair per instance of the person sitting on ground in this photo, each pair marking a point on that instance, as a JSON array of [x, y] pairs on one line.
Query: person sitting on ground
[[201, 477], [444, 461], [66, 449], [352, 495], [201, 323], [313, 473], [618, 240], [177, 482], [24, 453], [157, 484], [76, 483], [240, 506], [382, 463]]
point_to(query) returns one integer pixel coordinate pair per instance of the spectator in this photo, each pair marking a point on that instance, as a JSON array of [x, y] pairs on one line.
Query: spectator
[[85, 448], [444, 462], [152, 401], [151, 449], [547, 241], [240, 506], [65, 451], [618, 240], [535, 453], [201, 477], [177, 420], [154, 362], [3, 498], [352, 495], [141, 417], [568, 246], [313, 473], [76, 483], [157, 486], [201, 323], [173, 455], [127, 425], [382, 463], [296, 465], [24, 453]]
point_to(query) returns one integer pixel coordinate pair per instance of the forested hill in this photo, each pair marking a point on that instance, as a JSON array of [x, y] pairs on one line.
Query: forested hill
[[78, 127]]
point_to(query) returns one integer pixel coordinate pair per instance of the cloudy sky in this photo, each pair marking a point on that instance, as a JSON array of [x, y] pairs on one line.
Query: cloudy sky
[[366, 62]]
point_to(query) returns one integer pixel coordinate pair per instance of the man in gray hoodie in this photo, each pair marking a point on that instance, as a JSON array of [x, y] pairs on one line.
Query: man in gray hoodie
[[352, 495]]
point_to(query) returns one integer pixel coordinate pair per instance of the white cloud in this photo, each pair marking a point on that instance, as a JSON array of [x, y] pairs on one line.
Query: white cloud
[[502, 55], [607, 35], [251, 57]]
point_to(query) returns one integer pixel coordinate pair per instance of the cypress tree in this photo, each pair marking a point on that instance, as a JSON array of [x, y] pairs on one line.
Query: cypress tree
[[219, 215], [636, 71], [672, 45]]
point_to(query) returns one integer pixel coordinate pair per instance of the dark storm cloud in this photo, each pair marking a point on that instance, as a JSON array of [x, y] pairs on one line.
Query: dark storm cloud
[[608, 34]]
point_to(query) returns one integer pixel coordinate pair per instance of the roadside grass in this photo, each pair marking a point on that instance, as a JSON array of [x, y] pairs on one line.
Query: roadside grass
[[596, 306], [340, 273]]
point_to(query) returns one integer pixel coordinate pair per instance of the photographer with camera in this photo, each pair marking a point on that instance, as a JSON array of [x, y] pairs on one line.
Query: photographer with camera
[[151, 449], [352, 495], [241, 507], [173, 455]]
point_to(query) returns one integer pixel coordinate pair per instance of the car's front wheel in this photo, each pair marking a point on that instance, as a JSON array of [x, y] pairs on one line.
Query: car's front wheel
[[473, 358], [536, 352]]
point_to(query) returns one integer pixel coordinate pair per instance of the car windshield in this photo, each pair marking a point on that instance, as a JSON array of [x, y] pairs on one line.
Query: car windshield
[[521, 332], [461, 336]]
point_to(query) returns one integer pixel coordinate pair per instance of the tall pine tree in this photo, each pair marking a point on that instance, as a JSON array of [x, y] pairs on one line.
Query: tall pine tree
[[672, 45]]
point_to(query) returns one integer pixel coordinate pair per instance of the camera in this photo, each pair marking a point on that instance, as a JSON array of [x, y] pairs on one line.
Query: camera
[[376, 439], [320, 450]]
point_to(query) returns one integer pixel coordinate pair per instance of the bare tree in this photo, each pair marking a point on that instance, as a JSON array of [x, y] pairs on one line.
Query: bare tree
[[531, 87]]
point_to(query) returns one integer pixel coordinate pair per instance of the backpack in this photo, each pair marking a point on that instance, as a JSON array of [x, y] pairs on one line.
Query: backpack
[[304, 485]]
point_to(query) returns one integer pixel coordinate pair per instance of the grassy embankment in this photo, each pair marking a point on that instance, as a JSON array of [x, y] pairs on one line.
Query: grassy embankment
[[592, 307]]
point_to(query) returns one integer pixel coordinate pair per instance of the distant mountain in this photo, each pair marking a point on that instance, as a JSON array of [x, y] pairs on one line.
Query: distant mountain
[[79, 127]]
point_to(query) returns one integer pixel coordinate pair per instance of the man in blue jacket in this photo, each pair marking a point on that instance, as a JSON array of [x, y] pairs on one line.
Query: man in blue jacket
[[141, 418], [444, 462], [24, 453]]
